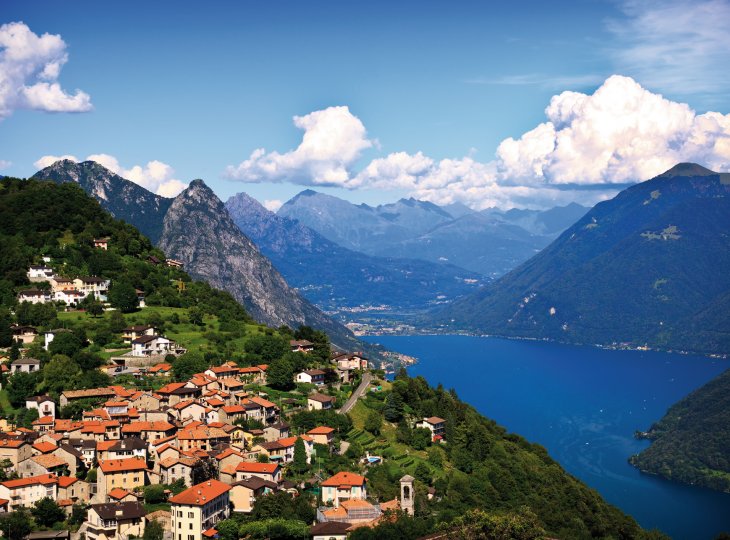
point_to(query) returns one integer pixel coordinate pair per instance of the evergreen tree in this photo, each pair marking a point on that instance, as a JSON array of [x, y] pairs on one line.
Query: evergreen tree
[[299, 463], [393, 410]]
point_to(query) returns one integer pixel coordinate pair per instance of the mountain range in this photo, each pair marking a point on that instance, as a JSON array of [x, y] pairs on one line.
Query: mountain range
[[489, 243], [647, 268], [334, 277], [195, 228]]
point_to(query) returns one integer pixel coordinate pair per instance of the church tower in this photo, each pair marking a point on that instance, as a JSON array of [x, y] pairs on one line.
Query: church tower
[[406, 494]]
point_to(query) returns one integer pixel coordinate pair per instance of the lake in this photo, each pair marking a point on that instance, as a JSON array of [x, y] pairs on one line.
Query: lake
[[583, 404]]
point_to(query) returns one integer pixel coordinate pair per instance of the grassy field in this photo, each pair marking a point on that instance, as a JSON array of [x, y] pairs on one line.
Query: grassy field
[[192, 337]]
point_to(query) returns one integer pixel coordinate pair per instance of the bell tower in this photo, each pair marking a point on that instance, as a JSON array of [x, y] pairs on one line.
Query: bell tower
[[406, 494]]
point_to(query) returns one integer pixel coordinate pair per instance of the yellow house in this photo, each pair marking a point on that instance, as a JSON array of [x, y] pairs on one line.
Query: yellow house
[[126, 473], [199, 509]]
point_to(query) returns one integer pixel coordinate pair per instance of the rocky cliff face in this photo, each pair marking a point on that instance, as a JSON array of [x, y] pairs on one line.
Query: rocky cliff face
[[198, 230], [195, 228], [120, 197]]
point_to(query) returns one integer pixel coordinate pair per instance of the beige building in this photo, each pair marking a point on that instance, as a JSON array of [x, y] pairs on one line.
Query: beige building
[[119, 473], [317, 402], [110, 521], [15, 450], [198, 509], [244, 493]]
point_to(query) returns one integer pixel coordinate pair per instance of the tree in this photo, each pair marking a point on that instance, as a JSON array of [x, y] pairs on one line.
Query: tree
[[60, 373], [153, 530], [123, 296], [373, 422], [6, 335], [275, 529], [117, 322], [187, 365], [20, 386], [280, 374], [299, 463], [195, 316], [203, 470], [422, 473], [266, 348], [67, 343], [154, 493], [420, 438], [95, 308], [46, 512], [16, 525], [393, 410]]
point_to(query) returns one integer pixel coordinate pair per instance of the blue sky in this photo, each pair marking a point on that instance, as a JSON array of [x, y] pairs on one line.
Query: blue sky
[[432, 90]]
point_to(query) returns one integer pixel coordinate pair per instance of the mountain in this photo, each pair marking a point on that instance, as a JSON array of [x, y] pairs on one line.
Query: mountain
[[549, 222], [332, 276], [120, 197], [478, 242], [196, 229], [691, 444], [648, 267], [489, 243], [361, 227]]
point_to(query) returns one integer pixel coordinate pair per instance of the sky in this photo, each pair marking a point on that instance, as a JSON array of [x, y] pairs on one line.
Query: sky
[[507, 104]]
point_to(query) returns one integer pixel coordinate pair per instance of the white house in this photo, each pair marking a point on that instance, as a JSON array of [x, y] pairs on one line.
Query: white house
[[25, 365], [39, 273], [70, 297], [153, 345], [436, 425], [311, 376], [34, 296], [43, 404]]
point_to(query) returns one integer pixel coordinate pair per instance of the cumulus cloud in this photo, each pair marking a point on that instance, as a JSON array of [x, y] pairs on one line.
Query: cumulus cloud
[[333, 140], [620, 133], [155, 176], [273, 205], [586, 150], [4, 164], [29, 69], [678, 46]]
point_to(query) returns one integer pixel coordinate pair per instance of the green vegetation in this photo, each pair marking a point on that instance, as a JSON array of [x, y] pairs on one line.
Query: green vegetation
[[691, 444]]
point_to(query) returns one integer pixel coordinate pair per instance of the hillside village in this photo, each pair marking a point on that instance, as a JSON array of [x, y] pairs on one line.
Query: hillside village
[[215, 442], [137, 402]]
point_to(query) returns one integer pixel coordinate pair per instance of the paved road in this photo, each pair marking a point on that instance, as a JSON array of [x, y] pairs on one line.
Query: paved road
[[357, 394]]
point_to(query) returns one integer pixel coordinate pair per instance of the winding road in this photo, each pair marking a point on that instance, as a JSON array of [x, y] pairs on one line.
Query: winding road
[[357, 394]]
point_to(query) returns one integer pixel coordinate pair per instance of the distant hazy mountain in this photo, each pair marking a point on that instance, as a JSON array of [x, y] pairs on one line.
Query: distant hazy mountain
[[196, 229], [489, 243], [647, 267], [120, 197], [333, 276], [362, 227]]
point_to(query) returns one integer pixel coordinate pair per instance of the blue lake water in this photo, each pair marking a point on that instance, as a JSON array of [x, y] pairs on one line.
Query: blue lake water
[[583, 404]]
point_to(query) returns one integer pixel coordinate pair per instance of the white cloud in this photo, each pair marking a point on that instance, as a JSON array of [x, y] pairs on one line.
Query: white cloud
[[29, 69], [155, 176], [621, 133], [333, 140], [678, 46], [4, 164], [273, 205]]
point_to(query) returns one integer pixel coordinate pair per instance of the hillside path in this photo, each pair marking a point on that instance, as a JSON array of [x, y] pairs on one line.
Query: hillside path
[[357, 394]]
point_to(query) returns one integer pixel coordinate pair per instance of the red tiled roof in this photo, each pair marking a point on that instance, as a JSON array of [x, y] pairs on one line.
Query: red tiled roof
[[344, 479], [43, 479], [320, 430], [201, 494], [122, 465], [45, 447], [249, 467]]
